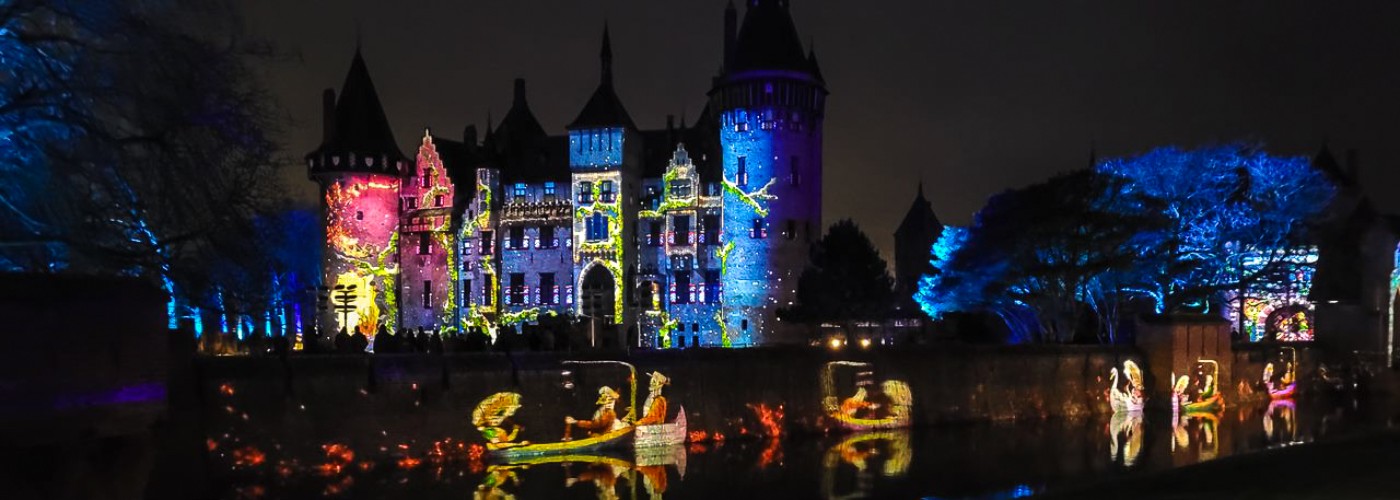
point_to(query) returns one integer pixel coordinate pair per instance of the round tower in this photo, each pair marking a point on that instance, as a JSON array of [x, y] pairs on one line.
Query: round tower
[[770, 99], [359, 169]]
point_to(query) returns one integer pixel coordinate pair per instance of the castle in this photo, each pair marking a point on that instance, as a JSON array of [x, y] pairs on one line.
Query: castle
[[688, 235]]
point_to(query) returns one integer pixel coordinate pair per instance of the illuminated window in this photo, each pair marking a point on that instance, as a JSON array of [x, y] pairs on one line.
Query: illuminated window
[[487, 243], [606, 192], [427, 294], [487, 298], [709, 229], [546, 239], [654, 233], [437, 201], [519, 192], [423, 180], [517, 238], [759, 230], [549, 191], [682, 288], [742, 179], [795, 175], [596, 227], [681, 188], [547, 290], [680, 230], [467, 246], [425, 244], [585, 192], [517, 289], [712, 287]]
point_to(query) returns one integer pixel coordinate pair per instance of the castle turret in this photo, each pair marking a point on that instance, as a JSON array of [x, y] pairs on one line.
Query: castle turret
[[770, 101], [359, 168]]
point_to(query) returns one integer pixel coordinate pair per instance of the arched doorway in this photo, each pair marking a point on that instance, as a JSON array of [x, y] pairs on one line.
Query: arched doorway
[[599, 294]]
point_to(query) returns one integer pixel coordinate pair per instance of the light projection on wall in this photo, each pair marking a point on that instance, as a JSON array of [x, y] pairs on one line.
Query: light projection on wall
[[751, 153], [479, 313], [1127, 395], [1198, 394], [1285, 384], [1275, 306], [686, 251], [598, 233], [361, 241], [889, 408], [599, 147], [431, 257]]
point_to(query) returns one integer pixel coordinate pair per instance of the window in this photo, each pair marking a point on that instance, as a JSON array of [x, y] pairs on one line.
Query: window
[[437, 201], [791, 231], [427, 294], [682, 262], [680, 230], [548, 292], [606, 192], [795, 172], [423, 180], [759, 230], [517, 289], [549, 191], [596, 227], [359, 215], [712, 287], [585, 192], [654, 233], [742, 178], [466, 291], [709, 229], [744, 325], [519, 192], [680, 288], [682, 188], [487, 298], [487, 242], [516, 238], [425, 244], [546, 239], [467, 247]]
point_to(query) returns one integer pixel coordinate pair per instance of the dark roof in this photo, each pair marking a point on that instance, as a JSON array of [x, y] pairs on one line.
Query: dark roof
[[768, 40], [604, 109], [520, 148], [1326, 162], [701, 142], [360, 125], [920, 218]]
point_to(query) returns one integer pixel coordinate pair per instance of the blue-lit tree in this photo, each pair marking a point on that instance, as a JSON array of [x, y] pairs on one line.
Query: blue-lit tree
[[133, 138], [1170, 227]]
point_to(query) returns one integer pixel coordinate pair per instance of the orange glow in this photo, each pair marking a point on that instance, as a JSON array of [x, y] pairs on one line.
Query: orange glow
[[248, 456], [211, 444], [770, 418], [409, 462], [365, 465], [698, 436], [226, 389], [772, 454]]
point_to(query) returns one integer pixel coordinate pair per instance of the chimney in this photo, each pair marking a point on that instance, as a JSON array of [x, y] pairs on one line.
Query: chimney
[[469, 136], [731, 30], [327, 115], [1353, 167], [519, 93]]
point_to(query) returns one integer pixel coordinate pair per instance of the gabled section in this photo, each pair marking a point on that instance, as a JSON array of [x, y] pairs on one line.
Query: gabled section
[[920, 218], [356, 135]]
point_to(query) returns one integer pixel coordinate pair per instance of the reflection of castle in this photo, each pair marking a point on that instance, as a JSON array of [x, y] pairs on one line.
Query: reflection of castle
[[688, 233]]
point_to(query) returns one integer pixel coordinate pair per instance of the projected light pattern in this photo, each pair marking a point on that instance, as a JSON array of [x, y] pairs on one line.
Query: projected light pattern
[[429, 257], [1276, 308], [361, 240], [597, 233]]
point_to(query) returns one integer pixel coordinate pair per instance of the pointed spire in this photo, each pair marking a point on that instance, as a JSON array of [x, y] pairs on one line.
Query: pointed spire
[[606, 56], [1093, 155], [921, 187]]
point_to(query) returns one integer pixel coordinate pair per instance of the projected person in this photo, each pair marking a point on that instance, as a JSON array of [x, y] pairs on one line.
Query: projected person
[[604, 419]]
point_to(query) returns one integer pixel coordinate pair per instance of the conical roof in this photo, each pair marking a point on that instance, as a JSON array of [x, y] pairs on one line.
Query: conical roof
[[604, 108], [768, 40], [360, 125]]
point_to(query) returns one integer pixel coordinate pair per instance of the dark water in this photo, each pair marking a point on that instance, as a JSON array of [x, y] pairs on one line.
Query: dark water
[[294, 452]]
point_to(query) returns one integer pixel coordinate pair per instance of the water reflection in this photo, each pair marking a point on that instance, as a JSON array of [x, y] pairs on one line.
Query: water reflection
[[1125, 437], [1196, 436], [859, 455]]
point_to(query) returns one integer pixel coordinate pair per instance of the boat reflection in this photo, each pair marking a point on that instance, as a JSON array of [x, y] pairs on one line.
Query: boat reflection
[[611, 477], [1280, 428], [861, 451], [1198, 434], [1125, 437]]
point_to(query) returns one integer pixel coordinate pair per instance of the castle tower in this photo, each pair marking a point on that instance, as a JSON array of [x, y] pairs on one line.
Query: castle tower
[[912, 241], [770, 99], [605, 161], [359, 168], [428, 253]]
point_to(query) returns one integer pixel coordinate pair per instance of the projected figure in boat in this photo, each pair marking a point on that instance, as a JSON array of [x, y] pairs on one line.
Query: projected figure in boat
[[1127, 397], [652, 428], [1285, 385], [604, 419], [1201, 397], [490, 417], [856, 412]]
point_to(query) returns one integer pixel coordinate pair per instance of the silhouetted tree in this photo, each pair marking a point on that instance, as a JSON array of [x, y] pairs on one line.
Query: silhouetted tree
[[846, 280]]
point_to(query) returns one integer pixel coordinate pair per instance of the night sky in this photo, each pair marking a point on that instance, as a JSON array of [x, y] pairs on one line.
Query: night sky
[[973, 97]]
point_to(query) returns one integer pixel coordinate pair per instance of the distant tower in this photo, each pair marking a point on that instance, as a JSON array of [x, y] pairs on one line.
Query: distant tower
[[912, 242], [605, 160], [770, 100], [359, 168]]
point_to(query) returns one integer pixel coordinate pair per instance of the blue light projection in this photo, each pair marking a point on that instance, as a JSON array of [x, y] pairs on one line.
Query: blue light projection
[[596, 147], [746, 273]]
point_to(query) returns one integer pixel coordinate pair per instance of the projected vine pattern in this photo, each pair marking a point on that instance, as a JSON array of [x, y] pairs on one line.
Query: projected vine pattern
[[361, 240]]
